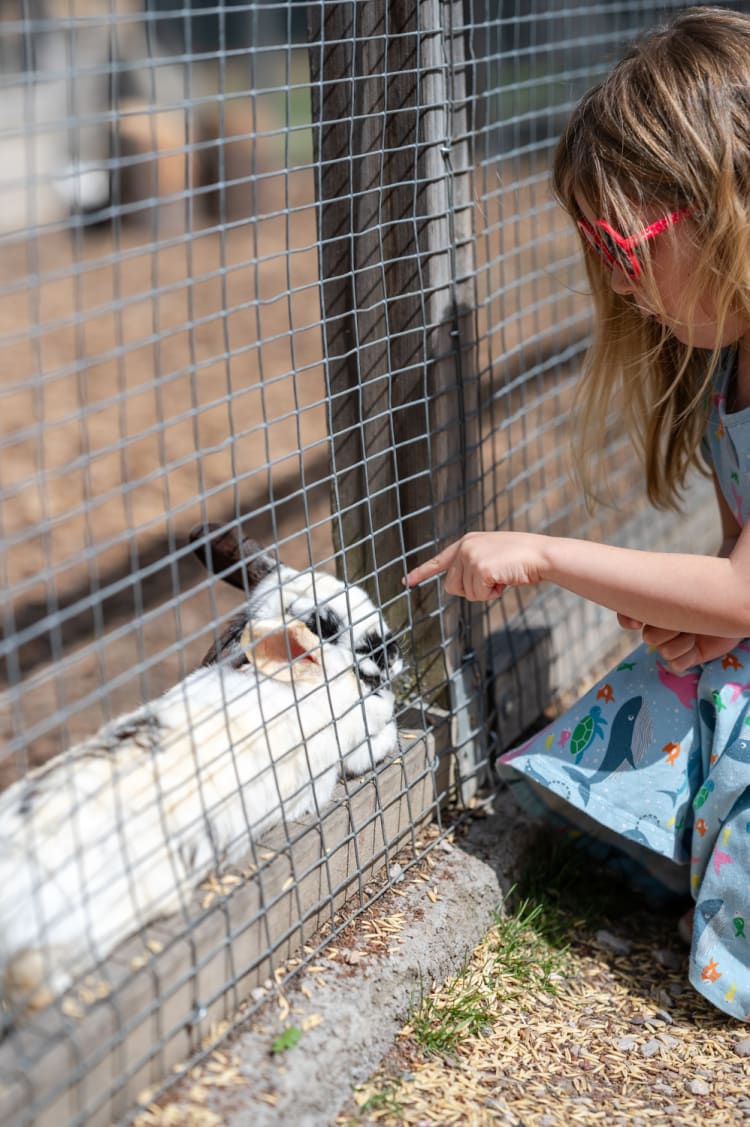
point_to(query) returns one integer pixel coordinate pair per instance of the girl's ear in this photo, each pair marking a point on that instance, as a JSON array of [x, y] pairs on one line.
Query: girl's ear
[[231, 556], [286, 651]]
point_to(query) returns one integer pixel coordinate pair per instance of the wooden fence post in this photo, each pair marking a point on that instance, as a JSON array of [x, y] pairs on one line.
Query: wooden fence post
[[391, 141]]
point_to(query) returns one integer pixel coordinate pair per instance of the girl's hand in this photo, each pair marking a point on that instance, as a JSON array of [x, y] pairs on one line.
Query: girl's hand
[[481, 565], [680, 650]]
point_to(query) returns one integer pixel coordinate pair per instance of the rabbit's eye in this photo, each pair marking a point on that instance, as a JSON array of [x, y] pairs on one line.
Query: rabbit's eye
[[383, 651], [324, 623]]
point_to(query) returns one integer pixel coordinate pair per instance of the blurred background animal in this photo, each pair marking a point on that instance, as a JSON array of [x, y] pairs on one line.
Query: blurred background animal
[[101, 116]]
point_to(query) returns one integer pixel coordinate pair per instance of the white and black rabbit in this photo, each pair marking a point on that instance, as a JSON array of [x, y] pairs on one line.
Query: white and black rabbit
[[118, 830]]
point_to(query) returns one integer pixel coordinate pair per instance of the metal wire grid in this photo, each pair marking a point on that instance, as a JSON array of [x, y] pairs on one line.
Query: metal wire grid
[[164, 367], [145, 361]]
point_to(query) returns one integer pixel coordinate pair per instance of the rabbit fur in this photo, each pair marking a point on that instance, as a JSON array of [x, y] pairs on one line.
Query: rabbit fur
[[118, 830]]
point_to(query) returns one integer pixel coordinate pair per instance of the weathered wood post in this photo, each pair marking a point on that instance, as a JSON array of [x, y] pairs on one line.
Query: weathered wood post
[[391, 137]]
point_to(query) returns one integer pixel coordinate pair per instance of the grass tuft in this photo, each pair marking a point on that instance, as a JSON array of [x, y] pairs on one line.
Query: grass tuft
[[529, 946], [384, 1100], [441, 1021], [516, 957]]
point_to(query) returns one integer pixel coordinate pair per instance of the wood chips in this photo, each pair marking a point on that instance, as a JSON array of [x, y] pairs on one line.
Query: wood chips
[[623, 1040]]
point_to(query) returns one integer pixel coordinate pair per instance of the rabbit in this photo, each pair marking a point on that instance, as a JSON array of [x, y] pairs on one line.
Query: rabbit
[[116, 832]]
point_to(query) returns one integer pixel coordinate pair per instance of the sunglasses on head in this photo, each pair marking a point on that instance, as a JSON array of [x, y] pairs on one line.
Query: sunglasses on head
[[617, 250]]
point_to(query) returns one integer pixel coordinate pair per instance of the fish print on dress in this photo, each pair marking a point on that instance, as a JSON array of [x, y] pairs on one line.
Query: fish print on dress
[[683, 685]]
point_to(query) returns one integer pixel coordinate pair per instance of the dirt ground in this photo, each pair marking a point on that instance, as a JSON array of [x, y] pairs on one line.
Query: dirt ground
[[577, 1013]]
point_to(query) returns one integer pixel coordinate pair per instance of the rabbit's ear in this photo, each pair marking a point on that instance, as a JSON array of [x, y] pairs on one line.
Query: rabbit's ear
[[229, 555], [284, 650]]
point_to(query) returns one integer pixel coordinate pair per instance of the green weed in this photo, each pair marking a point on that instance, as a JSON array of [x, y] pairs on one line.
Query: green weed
[[383, 1099], [461, 1009], [515, 957], [287, 1040]]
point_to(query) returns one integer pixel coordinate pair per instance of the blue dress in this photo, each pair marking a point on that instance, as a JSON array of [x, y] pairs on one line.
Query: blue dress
[[664, 759]]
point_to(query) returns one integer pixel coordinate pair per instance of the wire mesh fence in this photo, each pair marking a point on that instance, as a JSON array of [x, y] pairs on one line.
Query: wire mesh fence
[[280, 282]]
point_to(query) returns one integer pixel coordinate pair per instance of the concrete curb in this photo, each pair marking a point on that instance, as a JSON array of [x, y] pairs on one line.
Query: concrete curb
[[352, 1011]]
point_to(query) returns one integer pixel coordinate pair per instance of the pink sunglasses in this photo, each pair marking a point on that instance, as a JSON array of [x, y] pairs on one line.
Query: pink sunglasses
[[615, 249]]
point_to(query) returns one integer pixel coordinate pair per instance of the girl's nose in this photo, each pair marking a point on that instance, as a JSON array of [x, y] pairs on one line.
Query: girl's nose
[[622, 283]]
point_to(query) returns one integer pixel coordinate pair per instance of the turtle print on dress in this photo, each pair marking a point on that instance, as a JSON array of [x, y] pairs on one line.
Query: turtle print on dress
[[592, 724]]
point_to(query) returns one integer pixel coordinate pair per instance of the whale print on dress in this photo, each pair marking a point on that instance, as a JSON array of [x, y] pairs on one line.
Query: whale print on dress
[[629, 738], [704, 913], [735, 747]]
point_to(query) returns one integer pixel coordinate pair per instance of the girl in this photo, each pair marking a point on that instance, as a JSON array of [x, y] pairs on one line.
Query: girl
[[654, 168]]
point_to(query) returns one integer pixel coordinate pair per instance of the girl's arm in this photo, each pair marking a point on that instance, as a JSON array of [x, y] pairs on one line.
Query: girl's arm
[[679, 593], [683, 649]]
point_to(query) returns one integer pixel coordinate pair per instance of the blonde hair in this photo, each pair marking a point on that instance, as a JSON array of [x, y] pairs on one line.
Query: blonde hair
[[668, 129]]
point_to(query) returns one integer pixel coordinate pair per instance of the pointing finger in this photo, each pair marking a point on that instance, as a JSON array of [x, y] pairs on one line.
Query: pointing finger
[[430, 568]]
